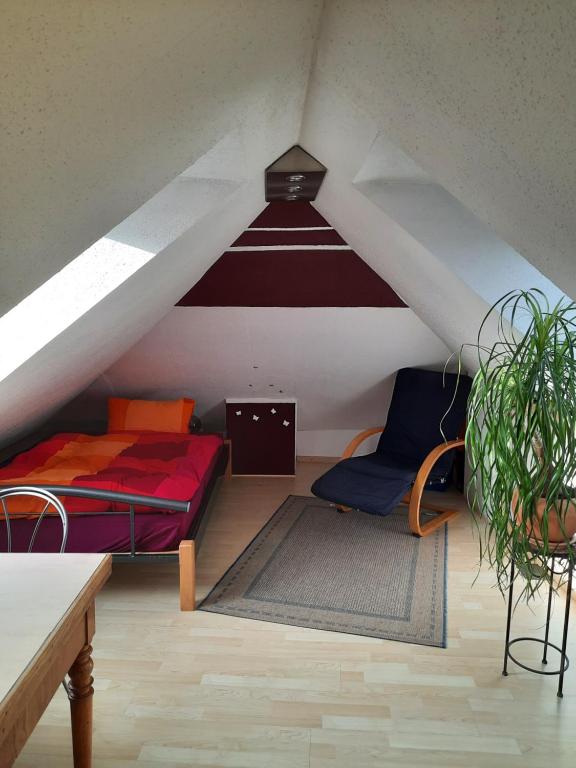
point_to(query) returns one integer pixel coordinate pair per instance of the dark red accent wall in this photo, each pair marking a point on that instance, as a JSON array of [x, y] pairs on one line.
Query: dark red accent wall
[[326, 274], [289, 215]]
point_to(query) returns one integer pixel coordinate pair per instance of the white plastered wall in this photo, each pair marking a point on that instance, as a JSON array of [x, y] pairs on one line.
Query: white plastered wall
[[339, 362]]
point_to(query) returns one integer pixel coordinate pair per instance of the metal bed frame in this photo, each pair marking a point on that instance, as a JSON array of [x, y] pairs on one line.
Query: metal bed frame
[[186, 551]]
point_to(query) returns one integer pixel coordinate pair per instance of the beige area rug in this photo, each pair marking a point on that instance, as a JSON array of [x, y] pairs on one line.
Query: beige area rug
[[311, 566]]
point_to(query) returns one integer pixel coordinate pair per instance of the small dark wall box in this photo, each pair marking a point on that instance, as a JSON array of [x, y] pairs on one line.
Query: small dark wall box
[[295, 177]]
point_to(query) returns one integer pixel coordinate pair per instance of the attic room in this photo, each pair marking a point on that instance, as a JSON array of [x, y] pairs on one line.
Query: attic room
[[288, 441]]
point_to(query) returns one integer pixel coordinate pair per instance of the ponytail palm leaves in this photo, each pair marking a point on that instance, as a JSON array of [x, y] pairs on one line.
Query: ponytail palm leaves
[[521, 434]]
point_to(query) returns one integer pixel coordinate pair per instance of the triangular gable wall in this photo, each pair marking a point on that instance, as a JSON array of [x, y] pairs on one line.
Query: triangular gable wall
[[290, 256], [334, 344]]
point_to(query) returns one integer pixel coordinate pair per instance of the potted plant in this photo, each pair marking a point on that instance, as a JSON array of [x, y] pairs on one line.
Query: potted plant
[[521, 435]]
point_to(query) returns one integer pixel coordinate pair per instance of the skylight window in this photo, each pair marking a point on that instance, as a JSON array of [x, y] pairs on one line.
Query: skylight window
[[65, 297], [95, 273]]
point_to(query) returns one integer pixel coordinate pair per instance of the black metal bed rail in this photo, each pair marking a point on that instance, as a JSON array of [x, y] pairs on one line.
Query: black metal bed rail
[[132, 500], [120, 497]]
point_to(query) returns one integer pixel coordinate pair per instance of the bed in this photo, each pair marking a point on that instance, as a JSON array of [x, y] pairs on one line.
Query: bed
[[135, 494]]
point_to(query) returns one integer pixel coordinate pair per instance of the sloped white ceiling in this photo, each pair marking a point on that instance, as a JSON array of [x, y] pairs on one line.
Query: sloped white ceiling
[[445, 227], [103, 105], [86, 348], [446, 263], [482, 95]]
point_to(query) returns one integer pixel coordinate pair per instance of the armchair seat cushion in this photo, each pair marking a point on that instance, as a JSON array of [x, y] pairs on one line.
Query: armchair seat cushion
[[375, 483], [367, 483]]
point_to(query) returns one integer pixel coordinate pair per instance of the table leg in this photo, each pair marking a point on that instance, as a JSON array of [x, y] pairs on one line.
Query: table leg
[[80, 693]]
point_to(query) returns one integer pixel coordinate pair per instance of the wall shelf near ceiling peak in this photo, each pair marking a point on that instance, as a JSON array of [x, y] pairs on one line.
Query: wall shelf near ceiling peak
[[295, 177]]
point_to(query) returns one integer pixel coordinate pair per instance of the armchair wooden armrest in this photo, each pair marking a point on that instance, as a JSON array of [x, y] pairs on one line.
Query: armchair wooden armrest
[[356, 441], [414, 499]]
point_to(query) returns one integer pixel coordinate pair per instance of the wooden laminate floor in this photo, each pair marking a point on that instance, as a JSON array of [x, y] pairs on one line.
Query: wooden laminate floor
[[199, 689]]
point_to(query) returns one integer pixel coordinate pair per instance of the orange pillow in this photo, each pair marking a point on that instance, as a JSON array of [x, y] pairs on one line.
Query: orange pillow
[[153, 415]]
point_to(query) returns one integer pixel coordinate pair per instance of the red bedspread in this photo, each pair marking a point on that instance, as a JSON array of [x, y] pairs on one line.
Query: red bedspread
[[162, 464]]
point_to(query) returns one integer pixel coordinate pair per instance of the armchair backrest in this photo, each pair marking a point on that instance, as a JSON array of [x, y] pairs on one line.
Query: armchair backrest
[[420, 401]]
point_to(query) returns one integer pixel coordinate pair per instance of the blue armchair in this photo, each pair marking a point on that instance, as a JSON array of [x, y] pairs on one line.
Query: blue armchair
[[415, 451]]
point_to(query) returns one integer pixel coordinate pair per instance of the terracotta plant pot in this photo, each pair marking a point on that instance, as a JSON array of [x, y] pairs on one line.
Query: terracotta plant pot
[[555, 534]]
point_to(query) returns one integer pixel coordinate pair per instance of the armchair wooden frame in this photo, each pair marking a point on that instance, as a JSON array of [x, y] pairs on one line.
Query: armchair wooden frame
[[414, 496]]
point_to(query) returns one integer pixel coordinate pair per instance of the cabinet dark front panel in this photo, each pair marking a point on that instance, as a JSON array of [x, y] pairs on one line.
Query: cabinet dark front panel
[[263, 437]]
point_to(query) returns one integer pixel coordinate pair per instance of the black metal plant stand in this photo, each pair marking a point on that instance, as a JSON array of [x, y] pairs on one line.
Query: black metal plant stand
[[560, 553]]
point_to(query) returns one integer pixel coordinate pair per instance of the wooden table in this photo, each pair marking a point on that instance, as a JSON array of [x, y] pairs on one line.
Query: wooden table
[[46, 626]]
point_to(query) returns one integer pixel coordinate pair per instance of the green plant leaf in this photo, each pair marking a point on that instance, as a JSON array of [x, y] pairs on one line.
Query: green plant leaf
[[521, 433]]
